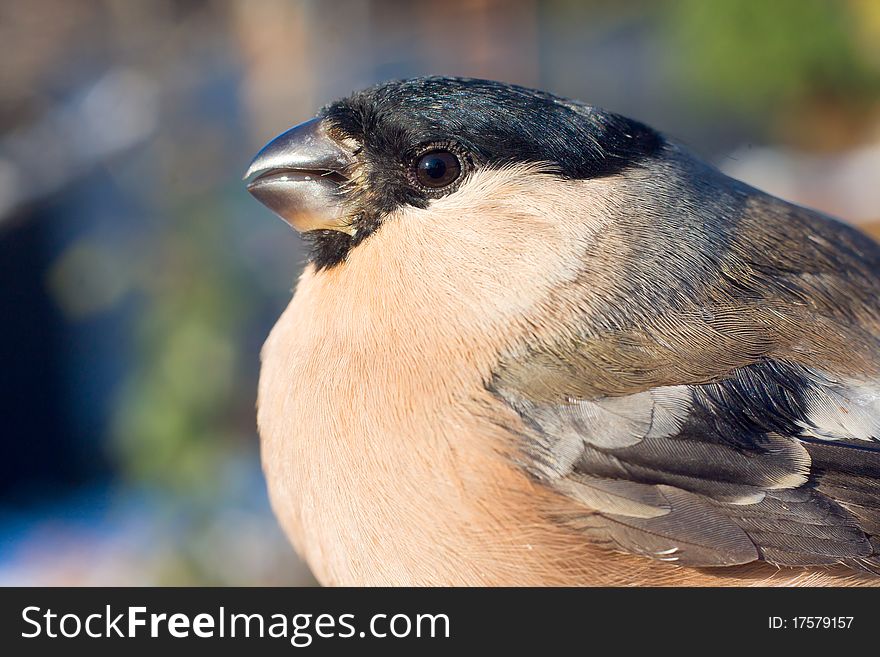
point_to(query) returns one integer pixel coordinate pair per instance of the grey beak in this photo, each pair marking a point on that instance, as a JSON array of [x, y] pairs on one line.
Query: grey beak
[[298, 175]]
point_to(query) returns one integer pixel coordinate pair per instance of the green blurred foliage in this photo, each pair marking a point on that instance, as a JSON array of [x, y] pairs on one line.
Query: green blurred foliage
[[180, 410], [759, 56]]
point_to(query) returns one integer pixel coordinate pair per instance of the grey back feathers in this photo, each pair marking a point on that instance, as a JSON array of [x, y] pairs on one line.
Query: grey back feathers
[[717, 400]]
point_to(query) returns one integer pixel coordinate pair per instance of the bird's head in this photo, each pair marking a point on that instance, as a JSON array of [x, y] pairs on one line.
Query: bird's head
[[341, 176]]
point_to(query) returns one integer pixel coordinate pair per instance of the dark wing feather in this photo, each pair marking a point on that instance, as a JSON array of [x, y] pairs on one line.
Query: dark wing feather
[[717, 474]]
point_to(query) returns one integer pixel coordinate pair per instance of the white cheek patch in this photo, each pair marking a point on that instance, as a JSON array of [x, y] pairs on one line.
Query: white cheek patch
[[842, 410]]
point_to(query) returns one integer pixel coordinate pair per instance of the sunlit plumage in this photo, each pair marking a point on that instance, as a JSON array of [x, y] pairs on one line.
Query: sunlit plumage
[[586, 358]]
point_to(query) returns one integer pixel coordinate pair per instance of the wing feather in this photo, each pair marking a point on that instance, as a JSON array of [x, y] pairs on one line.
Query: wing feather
[[716, 474]]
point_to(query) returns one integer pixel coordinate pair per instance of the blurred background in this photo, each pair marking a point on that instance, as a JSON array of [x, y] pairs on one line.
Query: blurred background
[[138, 279]]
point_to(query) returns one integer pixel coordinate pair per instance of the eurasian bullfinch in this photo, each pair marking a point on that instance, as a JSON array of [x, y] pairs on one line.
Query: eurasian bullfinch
[[540, 343]]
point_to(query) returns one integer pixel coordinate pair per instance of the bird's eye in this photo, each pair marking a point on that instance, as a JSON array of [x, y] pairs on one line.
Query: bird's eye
[[436, 169]]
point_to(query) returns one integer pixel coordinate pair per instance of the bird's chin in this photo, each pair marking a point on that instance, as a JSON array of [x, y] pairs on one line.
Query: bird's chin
[[307, 200]]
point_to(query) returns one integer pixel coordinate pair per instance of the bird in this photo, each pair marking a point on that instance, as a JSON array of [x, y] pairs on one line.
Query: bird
[[538, 343]]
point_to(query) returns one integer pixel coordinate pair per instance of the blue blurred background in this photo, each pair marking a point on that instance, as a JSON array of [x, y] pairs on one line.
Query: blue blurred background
[[138, 279]]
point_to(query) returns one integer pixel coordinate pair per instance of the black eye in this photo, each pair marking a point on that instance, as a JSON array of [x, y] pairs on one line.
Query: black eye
[[436, 169]]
